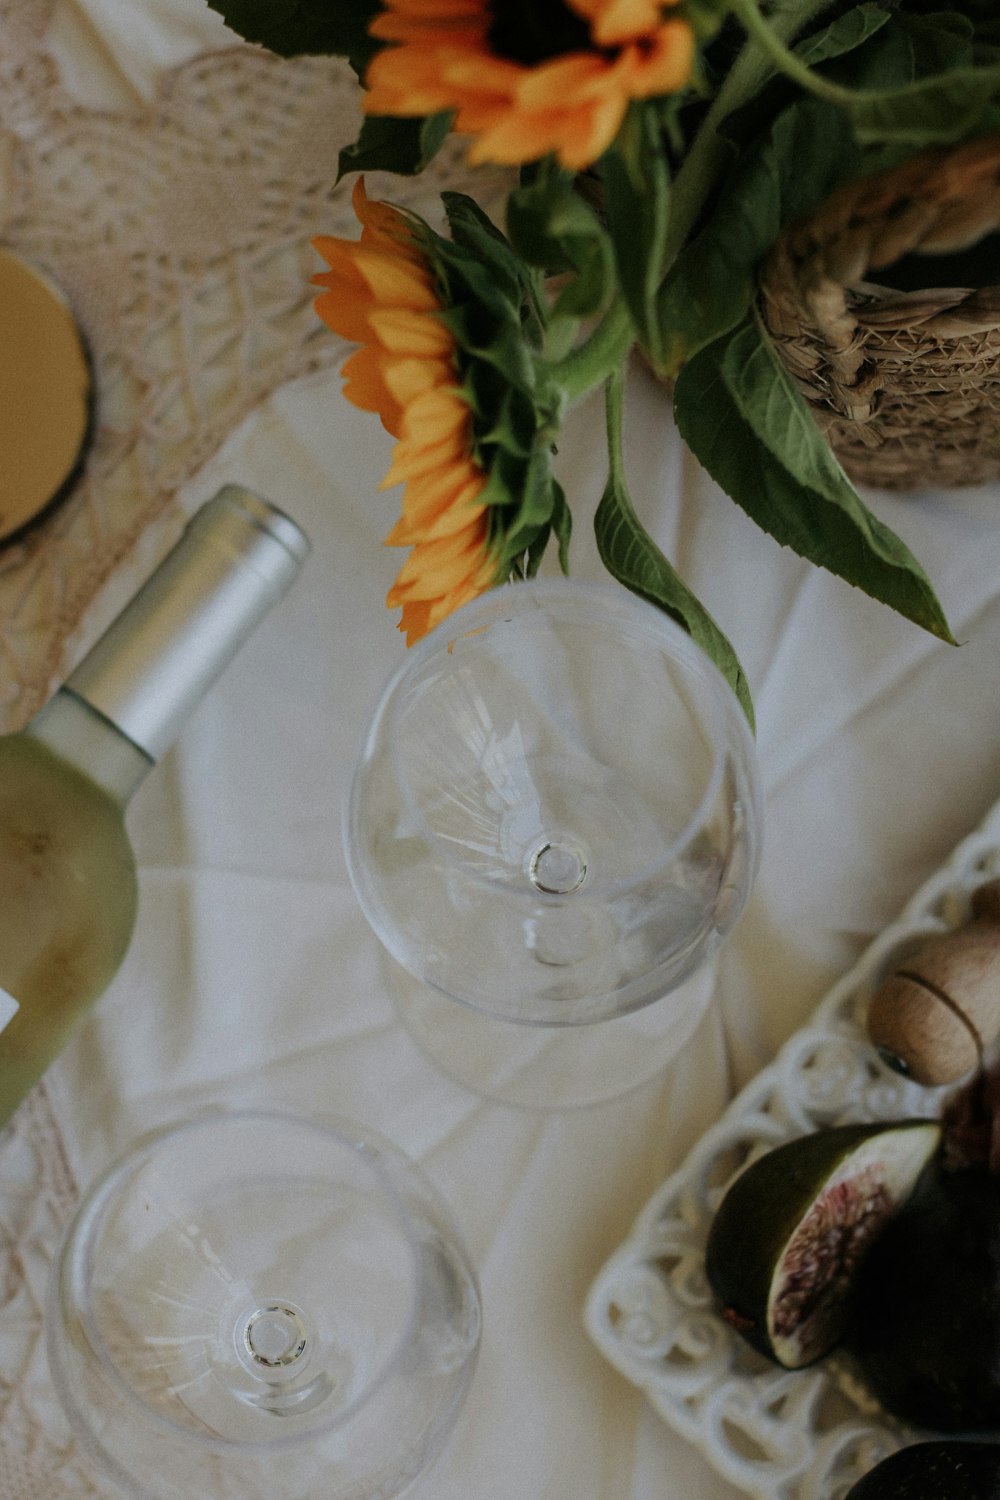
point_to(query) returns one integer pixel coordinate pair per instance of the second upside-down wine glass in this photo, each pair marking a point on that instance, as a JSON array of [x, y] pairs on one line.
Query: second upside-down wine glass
[[553, 824], [257, 1306]]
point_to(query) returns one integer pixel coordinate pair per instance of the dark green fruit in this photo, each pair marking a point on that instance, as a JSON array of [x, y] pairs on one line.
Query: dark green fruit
[[927, 1319], [934, 1471], [791, 1232]]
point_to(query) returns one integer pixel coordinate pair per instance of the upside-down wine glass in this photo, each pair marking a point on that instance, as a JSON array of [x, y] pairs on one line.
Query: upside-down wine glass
[[252, 1305], [553, 824]]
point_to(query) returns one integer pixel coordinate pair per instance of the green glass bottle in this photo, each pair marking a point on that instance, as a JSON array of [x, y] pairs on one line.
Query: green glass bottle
[[67, 871]]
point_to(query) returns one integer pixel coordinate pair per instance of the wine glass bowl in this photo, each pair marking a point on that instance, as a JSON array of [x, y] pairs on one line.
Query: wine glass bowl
[[282, 1304], [555, 816]]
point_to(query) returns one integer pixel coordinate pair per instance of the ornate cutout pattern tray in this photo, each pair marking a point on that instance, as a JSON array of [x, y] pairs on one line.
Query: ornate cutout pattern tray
[[776, 1434]]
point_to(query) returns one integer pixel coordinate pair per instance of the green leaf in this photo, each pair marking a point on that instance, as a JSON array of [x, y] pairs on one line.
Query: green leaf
[[946, 108], [388, 144], [744, 419], [553, 228], [636, 179], [843, 35], [498, 343], [474, 232], [807, 151], [633, 558], [562, 524], [537, 502], [942, 41], [337, 28], [506, 417]]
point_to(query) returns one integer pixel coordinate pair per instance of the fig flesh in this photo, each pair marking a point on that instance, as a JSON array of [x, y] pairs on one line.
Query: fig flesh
[[926, 1327], [787, 1241], [934, 1470]]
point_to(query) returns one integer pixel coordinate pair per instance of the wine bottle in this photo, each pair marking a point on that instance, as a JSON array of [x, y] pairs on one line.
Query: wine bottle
[[67, 871]]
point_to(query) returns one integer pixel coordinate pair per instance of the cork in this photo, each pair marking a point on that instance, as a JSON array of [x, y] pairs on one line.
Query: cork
[[936, 1014]]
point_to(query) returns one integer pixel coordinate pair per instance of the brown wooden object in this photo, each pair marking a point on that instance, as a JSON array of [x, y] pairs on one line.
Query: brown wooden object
[[938, 1012]]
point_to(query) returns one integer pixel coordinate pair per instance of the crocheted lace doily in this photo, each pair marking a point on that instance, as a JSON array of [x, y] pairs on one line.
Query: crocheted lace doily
[[180, 233]]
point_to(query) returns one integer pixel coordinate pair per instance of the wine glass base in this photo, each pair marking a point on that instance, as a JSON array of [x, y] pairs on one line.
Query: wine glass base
[[548, 1067], [254, 1305]]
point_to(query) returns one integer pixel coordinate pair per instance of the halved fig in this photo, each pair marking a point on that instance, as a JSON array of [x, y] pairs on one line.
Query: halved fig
[[791, 1232]]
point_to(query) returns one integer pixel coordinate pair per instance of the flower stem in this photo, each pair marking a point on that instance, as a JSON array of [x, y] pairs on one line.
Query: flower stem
[[782, 59], [614, 399], [710, 153], [597, 357]]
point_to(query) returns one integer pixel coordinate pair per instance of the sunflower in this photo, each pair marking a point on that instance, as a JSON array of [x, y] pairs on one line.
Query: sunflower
[[527, 80], [381, 293]]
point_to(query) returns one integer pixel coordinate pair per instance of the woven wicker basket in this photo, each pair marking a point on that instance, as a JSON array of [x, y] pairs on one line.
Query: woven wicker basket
[[901, 371]]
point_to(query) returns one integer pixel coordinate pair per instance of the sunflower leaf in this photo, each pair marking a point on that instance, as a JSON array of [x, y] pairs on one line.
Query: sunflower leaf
[[807, 151], [497, 343], [633, 558], [473, 230], [636, 180], [294, 27], [848, 31], [536, 503], [740, 413], [554, 229], [507, 417], [560, 527], [522, 493], [942, 109], [562, 524], [387, 144]]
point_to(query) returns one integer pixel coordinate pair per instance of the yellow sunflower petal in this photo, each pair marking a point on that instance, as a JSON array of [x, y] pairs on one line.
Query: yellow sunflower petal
[[379, 219], [664, 67], [406, 378], [426, 495], [615, 21], [445, 520], [380, 292], [396, 282], [434, 416], [404, 332], [434, 567], [364, 386], [343, 314], [421, 615], [563, 83], [409, 461]]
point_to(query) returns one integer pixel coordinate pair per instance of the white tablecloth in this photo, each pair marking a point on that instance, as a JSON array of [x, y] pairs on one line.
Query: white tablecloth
[[253, 976]]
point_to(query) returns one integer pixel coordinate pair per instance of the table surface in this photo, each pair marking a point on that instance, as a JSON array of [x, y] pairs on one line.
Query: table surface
[[253, 976]]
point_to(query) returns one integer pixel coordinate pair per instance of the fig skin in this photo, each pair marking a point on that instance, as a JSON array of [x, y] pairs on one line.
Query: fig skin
[[933, 1470], [756, 1232], [926, 1319]]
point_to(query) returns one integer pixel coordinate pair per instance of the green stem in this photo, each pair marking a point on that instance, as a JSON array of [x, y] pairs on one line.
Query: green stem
[[597, 357], [614, 401], [784, 60], [710, 154]]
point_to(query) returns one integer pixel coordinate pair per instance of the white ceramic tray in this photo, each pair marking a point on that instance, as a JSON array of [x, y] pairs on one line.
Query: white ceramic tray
[[776, 1434]]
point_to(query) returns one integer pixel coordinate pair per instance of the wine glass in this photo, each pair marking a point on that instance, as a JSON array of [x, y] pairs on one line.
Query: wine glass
[[553, 823], [253, 1305]]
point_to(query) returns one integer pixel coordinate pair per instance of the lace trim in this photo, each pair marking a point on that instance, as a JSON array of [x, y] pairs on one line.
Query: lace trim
[[181, 233], [37, 1194]]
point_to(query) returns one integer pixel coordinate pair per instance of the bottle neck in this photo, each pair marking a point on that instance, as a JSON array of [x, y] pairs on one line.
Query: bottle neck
[[75, 731], [155, 662]]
